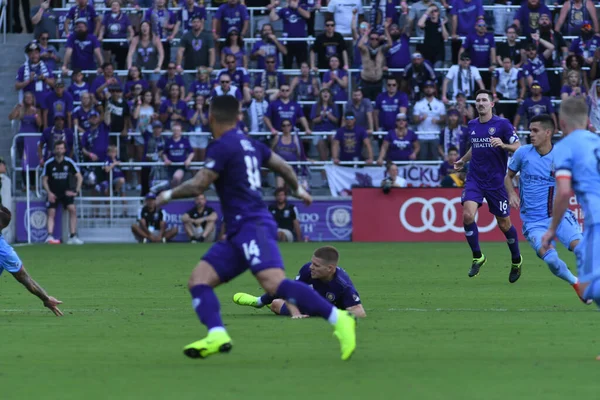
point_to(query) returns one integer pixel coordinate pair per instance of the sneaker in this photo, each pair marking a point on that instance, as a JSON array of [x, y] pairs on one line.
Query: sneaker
[[50, 240], [345, 331], [245, 299], [74, 240], [476, 266], [580, 294], [515, 271], [214, 343]]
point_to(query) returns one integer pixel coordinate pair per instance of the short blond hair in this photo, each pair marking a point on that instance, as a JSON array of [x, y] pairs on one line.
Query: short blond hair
[[574, 112]]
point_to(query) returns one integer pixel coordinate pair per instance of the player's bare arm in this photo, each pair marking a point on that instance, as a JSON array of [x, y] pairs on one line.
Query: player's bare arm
[[561, 203], [510, 147], [34, 288], [513, 197], [278, 165], [358, 311], [190, 188]]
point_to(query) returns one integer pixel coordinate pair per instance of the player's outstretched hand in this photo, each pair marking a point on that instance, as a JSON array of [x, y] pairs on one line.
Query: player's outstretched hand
[[548, 238], [52, 304], [459, 165]]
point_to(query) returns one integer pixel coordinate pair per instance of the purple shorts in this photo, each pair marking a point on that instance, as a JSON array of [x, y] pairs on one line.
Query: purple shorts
[[497, 199], [253, 246]]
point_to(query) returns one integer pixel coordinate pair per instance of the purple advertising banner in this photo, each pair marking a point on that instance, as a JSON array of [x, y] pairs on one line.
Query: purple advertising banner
[[36, 221]]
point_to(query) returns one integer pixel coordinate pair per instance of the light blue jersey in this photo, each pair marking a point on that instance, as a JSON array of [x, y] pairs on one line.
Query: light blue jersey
[[577, 157], [9, 260]]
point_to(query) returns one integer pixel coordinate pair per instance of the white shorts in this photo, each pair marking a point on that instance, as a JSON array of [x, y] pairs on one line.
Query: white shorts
[[198, 142], [288, 234]]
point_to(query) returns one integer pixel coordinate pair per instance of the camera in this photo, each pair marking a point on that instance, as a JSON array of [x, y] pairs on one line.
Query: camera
[[387, 185]]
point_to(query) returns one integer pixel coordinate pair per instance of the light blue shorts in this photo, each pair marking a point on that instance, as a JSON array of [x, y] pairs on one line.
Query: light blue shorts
[[9, 260], [588, 254], [567, 231]]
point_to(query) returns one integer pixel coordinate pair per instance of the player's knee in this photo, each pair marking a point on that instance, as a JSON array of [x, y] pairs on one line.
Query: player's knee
[[186, 219], [504, 224], [203, 274], [468, 217], [276, 306], [270, 279], [573, 245]]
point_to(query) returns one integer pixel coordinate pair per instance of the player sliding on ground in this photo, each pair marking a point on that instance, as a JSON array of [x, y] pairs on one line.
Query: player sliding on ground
[[491, 139], [577, 160], [326, 278], [233, 164], [10, 261], [535, 162]]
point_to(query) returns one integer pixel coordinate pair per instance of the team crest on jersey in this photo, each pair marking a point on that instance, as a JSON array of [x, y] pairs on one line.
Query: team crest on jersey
[[330, 296], [491, 131], [65, 168], [286, 214]]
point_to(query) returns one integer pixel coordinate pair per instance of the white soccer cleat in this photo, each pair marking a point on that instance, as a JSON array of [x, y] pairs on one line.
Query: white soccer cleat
[[75, 240], [50, 240]]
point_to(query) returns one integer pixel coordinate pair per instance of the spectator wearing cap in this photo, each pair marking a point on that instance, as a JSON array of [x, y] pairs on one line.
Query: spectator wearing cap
[[104, 81], [535, 66], [270, 79], [417, 10], [434, 42], [151, 224], [173, 109], [81, 49], [177, 150], [586, 43], [416, 74], [294, 17], [196, 48], [94, 143], [464, 77], [267, 45], [362, 109], [116, 25], [83, 11], [57, 132], [536, 104], [34, 75], [429, 114], [154, 145], [348, 142], [165, 25], [226, 86], [482, 48], [230, 14], [512, 48], [505, 86], [326, 45], [398, 48], [336, 80], [453, 135], [372, 53], [45, 20], [148, 51], [234, 46], [573, 16], [388, 104], [284, 108], [119, 116], [188, 12], [527, 16], [400, 143], [58, 102]]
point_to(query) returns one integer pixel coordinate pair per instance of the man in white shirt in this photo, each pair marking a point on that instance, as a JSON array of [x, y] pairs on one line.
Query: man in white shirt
[[342, 14], [505, 86], [256, 111], [429, 114], [463, 77]]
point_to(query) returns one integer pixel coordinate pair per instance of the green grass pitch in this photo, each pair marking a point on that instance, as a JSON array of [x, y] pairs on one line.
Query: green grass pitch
[[431, 332]]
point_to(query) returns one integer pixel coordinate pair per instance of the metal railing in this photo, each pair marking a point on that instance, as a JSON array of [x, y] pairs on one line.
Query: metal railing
[[3, 19]]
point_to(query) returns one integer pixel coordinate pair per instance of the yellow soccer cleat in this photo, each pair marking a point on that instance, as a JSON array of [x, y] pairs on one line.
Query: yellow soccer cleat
[[245, 299], [345, 331], [216, 342]]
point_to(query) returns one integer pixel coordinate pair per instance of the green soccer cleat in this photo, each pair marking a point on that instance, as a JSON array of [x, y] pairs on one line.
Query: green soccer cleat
[[345, 331], [216, 342], [245, 299], [476, 265], [515, 271]]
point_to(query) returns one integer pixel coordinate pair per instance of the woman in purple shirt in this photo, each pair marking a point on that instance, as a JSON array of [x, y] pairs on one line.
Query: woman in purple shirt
[[177, 150], [336, 80], [81, 113], [48, 53], [31, 122], [169, 79], [173, 109], [201, 86], [324, 115], [116, 25], [134, 79], [400, 144], [573, 86], [288, 147], [234, 45]]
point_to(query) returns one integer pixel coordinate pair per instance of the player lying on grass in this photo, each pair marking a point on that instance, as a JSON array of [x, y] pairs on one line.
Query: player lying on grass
[[535, 162], [9, 260], [324, 275]]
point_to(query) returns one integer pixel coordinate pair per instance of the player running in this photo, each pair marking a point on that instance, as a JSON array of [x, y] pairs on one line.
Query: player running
[[491, 139], [577, 160], [326, 278], [535, 162], [10, 261], [233, 164]]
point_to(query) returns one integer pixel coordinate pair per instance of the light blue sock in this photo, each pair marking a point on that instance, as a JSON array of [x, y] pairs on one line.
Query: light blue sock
[[558, 266]]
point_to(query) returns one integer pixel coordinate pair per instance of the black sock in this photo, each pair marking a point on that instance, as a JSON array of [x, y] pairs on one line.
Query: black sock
[[516, 260], [72, 235], [476, 254]]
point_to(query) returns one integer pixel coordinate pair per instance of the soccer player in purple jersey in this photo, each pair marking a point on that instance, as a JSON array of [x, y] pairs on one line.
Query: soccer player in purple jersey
[[233, 164], [326, 278], [491, 138]]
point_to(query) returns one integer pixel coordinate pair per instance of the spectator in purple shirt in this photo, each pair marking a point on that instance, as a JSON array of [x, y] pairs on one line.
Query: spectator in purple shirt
[[164, 23], [81, 49], [85, 11], [116, 25], [388, 104], [108, 78], [58, 102], [324, 113], [534, 68], [201, 86], [586, 44], [348, 142], [482, 48], [48, 52], [284, 108], [78, 86], [336, 80], [169, 79], [177, 150], [54, 133], [400, 144], [234, 46], [535, 105], [135, 82], [294, 18], [94, 143], [231, 14], [465, 14], [189, 10], [173, 109], [81, 113], [270, 79], [268, 45], [573, 86], [34, 75], [527, 16]]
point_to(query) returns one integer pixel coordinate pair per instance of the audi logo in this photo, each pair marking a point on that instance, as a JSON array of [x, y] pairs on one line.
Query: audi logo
[[451, 216]]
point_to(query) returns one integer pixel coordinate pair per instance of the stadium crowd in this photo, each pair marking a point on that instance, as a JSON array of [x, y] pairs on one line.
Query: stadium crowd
[[360, 88]]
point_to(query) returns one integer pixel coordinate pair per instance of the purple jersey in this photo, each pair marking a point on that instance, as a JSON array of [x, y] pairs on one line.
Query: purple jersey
[[536, 68], [238, 159], [488, 164], [339, 291], [159, 19], [338, 93], [398, 56], [531, 108], [178, 151], [239, 77], [291, 151], [400, 148], [115, 27], [294, 25], [480, 47], [269, 80], [198, 88], [185, 16], [239, 56], [456, 137], [58, 105], [231, 16], [82, 117], [117, 171], [326, 125], [164, 81], [269, 49], [83, 52], [571, 91], [101, 80], [96, 141], [130, 85], [351, 143], [51, 135], [585, 48], [529, 17], [389, 107], [278, 111], [169, 108], [467, 13], [76, 90], [38, 87], [88, 13], [50, 62]]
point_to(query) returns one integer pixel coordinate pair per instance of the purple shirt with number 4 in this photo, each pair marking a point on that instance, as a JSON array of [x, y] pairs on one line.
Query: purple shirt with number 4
[[351, 142], [83, 52]]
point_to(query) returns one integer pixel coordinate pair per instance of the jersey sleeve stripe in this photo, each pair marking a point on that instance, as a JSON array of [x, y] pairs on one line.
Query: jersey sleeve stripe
[[46, 164], [550, 201], [73, 163]]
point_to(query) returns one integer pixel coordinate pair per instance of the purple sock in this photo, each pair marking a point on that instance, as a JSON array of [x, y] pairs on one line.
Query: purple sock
[[266, 299], [472, 234], [207, 306], [512, 238], [303, 297]]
